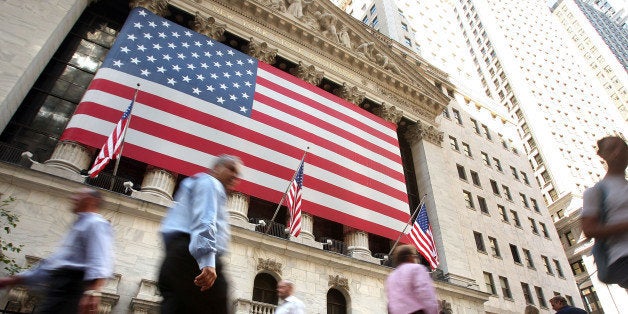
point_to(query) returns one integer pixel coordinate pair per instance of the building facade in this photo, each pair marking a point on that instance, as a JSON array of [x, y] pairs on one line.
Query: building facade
[[526, 62], [487, 225]]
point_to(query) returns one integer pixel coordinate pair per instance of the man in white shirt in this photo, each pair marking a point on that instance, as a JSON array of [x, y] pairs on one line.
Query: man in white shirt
[[290, 304]]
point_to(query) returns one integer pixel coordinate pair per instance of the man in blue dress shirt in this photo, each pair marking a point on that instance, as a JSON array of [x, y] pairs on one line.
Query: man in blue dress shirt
[[196, 233], [73, 276]]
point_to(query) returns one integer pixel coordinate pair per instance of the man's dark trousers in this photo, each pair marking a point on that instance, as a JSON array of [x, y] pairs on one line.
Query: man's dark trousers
[[176, 282]]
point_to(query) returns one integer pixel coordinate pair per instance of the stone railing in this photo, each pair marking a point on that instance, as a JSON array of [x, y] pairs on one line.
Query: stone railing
[[243, 306]]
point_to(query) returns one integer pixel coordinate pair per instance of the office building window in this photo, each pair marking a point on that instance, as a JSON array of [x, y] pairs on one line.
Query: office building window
[[485, 159], [498, 164], [540, 297], [365, 20], [495, 187], [468, 199], [462, 174], [466, 149], [515, 174], [524, 200], [569, 299], [487, 132], [479, 242], [533, 227], [559, 269], [569, 238], [453, 143], [515, 254], [475, 178], [490, 284], [503, 212], [507, 192], [503, 282], [482, 204], [524, 176], [535, 205], [404, 26], [492, 242], [456, 115], [548, 266], [476, 126], [544, 229], [515, 218], [375, 22], [578, 268], [528, 256], [372, 10], [527, 294], [591, 300], [446, 113]]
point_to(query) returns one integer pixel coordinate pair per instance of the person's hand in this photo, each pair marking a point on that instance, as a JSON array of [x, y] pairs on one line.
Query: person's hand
[[89, 304], [9, 281], [206, 279]]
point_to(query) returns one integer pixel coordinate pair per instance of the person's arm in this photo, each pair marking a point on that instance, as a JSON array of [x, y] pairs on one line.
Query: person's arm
[[203, 230], [425, 291], [590, 222], [91, 297], [99, 264], [10, 281]]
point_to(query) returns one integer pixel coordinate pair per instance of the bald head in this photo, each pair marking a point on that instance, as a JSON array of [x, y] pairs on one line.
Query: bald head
[[285, 288]]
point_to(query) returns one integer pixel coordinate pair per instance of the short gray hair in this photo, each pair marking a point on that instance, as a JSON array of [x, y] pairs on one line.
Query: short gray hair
[[226, 159]]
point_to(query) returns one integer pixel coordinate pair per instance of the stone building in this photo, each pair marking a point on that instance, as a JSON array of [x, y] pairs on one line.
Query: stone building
[[455, 148]]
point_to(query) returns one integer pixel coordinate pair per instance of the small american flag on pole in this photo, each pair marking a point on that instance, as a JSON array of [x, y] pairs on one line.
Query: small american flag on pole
[[421, 236], [113, 144], [294, 202]]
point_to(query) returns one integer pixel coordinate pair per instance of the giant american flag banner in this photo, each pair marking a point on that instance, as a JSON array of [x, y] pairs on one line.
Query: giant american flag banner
[[200, 98]]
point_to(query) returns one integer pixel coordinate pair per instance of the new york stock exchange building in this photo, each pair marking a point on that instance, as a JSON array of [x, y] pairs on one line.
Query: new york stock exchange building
[[389, 143]]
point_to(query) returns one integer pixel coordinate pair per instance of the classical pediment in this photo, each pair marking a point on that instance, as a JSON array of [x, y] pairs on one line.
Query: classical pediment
[[348, 52]]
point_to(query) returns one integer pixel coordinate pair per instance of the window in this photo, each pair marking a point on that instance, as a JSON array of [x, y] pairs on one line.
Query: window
[[502, 212], [495, 187], [365, 20], [466, 149], [487, 132], [515, 174], [372, 10], [533, 227], [569, 238], [336, 302], [462, 174], [528, 256], [485, 159], [526, 293], [375, 22], [503, 282], [498, 164], [265, 288], [490, 284], [453, 143], [569, 299], [525, 178], [591, 300], [456, 114], [404, 26], [475, 178], [492, 242], [468, 199], [507, 192], [515, 254], [476, 126], [482, 204], [559, 269], [544, 229], [446, 113], [524, 200], [540, 296], [515, 218], [578, 268], [535, 205], [479, 242], [548, 266]]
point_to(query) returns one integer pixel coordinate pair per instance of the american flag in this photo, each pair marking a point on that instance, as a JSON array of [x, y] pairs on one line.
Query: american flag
[[421, 237], [113, 144], [294, 202], [200, 99]]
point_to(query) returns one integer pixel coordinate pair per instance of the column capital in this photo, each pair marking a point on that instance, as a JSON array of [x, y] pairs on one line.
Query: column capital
[[308, 73], [159, 7], [261, 51], [350, 93], [424, 131], [389, 113], [209, 27]]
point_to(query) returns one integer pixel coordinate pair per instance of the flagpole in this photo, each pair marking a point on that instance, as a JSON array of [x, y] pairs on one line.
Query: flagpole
[[115, 168], [412, 218], [286, 192]]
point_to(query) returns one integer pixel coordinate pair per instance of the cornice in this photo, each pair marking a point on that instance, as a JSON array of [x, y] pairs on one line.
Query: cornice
[[308, 39]]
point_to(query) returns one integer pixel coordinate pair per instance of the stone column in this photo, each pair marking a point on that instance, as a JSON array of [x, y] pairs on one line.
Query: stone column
[[350, 93], [238, 207], [159, 182], [307, 226], [209, 27], [159, 7], [357, 242], [67, 160], [261, 51], [308, 73]]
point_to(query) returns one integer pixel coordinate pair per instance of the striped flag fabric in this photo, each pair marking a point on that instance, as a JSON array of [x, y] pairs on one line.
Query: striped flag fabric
[[113, 144], [201, 98], [422, 238], [294, 202]]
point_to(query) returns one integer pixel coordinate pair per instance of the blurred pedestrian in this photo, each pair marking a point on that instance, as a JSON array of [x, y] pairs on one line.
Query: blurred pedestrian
[[290, 304]]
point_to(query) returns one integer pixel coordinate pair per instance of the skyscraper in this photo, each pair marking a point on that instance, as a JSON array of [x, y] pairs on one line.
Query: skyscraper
[[528, 64]]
